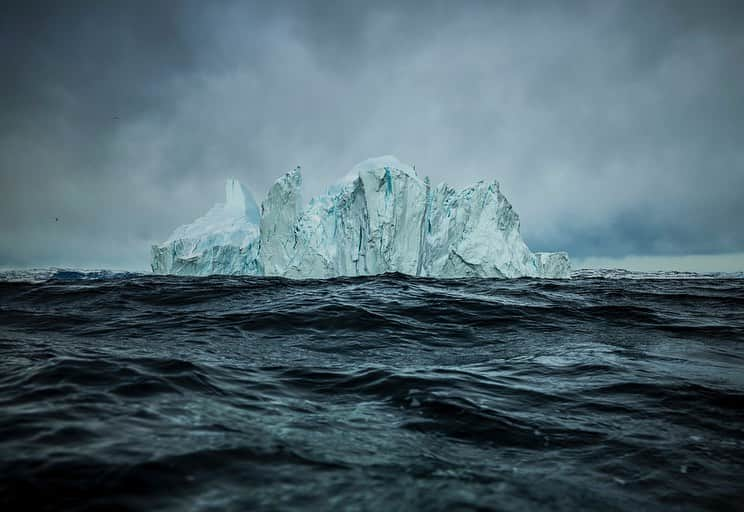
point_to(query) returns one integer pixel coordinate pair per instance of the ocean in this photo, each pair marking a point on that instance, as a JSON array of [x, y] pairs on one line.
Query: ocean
[[609, 391]]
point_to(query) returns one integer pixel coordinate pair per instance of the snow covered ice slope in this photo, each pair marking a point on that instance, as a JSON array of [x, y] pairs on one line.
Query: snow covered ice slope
[[224, 241]]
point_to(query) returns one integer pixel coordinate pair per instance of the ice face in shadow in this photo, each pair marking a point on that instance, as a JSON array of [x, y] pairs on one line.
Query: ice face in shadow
[[369, 223], [279, 213], [381, 217]]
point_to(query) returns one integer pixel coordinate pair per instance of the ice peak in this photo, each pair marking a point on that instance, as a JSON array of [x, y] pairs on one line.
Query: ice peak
[[380, 162], [295, 175], [239, 200], [234, 195]]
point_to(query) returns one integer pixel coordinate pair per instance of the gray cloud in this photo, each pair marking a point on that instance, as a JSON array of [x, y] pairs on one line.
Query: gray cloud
[[614, 127]]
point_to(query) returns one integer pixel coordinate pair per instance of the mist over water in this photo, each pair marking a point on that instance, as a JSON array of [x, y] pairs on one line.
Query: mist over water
[[613, 127], [609, 391]]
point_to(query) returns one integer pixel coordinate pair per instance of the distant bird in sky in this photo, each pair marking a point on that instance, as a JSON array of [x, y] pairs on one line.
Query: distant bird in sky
[[116, 117], [56, 219]]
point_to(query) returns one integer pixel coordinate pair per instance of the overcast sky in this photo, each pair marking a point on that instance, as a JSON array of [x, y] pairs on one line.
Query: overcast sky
[[615, 128]]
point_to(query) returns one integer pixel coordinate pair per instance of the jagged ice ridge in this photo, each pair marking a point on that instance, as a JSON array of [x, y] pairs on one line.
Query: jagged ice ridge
[[380, 218]]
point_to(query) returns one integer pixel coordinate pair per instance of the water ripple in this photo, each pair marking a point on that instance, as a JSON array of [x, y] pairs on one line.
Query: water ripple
[[611, 390]]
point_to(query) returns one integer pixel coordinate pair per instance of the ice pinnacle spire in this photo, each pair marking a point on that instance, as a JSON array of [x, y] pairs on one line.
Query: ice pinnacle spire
[[239, 201]]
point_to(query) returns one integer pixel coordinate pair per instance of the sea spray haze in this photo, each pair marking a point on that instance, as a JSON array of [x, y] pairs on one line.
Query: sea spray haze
[[607, 391]]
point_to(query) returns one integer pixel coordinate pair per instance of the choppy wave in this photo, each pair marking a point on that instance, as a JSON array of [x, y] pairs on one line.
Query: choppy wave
[[47, 273], [619, 273], [611, 390]]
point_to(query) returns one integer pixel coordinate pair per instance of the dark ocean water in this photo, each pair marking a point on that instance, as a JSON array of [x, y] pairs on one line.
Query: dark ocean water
[[609, 391]]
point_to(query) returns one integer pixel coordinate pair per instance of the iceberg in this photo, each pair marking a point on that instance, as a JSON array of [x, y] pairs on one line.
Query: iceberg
[[381, 217]]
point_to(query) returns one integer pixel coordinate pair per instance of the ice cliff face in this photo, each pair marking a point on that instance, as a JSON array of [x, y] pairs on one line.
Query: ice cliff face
[[279, 213], [380, 218]]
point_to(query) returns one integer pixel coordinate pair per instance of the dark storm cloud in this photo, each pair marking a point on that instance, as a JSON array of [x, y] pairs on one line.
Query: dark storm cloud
[[614, 127]]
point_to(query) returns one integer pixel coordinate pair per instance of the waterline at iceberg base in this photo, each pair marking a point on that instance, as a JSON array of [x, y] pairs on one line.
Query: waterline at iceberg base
[[380, 218]]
